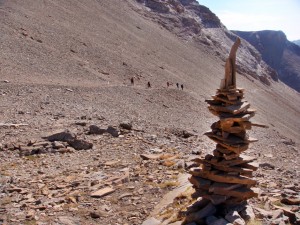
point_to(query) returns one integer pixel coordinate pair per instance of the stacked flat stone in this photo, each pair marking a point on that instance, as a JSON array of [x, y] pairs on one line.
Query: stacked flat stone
[[226, 175], [224, 179]]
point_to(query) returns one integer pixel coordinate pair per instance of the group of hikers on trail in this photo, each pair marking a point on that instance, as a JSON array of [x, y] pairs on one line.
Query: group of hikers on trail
[[149, 84]]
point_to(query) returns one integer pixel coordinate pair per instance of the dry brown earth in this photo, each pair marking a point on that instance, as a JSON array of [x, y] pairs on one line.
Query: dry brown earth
[[64, 62]]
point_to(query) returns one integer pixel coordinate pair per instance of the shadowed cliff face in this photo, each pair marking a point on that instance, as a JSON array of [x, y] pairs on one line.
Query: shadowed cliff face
[[196, 23], [277, 52], [270, 44]]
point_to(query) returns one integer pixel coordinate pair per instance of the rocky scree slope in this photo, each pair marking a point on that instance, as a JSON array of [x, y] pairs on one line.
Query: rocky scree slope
[[67, 66], [196, 23], [92, 49], [278, 53]]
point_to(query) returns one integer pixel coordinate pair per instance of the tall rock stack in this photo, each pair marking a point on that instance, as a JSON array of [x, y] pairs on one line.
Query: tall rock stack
[[223, 179]]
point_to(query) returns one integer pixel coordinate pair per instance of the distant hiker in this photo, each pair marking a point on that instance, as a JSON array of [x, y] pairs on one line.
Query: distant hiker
[[148, 84], [132, 81], [177, 85], [168, 84], [182, 87]]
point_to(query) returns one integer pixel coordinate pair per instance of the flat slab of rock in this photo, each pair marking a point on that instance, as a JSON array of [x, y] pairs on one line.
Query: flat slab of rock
[[231, 140], [252, 166], [241, 192], [243, 171], [246, 116], [200, 183], [102, 192], [241, 160], [222, 177], [234, 109], [237, 148], [170, 196], [151, 221], [150, 156]]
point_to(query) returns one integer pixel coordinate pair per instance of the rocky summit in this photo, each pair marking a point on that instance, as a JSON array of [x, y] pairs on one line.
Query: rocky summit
[[103, 116]]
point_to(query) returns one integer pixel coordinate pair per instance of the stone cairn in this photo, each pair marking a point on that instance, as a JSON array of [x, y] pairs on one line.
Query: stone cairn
[[223, 180]]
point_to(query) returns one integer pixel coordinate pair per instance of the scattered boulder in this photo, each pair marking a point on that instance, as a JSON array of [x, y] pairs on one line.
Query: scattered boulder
[[289, 142], [98, 214], [64, 136], [126, 125], [95, 215], [81, 123], [267, 166], [30, 150], [80, 144], [113, 131], [94, 129], [181, 133]]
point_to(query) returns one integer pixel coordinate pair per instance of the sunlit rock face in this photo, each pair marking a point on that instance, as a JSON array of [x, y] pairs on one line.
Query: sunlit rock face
[[194, 22]]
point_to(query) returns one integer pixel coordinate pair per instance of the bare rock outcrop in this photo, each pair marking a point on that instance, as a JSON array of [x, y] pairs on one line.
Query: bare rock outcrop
[[191, 21]]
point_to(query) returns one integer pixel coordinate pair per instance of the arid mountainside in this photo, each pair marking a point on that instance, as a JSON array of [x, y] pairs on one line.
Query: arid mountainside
[[67, 65], [196, 23], [87, 46], [277, 52]]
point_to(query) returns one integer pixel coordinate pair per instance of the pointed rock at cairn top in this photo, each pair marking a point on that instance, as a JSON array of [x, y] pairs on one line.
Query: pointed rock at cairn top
[[229, 82]]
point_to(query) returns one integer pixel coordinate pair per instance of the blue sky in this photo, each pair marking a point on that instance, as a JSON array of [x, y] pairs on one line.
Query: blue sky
[[254, 15]]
